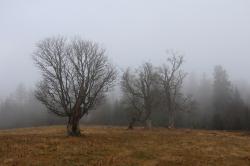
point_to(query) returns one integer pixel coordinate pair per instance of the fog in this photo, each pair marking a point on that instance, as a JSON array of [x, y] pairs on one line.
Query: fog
[[207, 33]]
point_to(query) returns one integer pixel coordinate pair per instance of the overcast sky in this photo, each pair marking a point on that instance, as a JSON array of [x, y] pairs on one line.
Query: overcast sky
[[208, 32]]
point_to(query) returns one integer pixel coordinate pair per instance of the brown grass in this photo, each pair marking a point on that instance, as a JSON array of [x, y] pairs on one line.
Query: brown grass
[[113, 146]]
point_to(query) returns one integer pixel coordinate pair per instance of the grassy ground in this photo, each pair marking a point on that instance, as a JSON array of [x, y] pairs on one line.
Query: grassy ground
[[119, 147]]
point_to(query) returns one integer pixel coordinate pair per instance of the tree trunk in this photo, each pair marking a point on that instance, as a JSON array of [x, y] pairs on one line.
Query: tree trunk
[[131, 124], [148, 124], [171, 120], [73, 128]]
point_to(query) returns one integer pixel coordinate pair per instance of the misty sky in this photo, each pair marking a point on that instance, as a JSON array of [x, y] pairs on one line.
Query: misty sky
[[209, 32]]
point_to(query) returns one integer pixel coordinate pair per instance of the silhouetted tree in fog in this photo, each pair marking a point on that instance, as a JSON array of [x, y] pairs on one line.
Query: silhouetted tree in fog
[[75, 77], [171, 78], [221, 96], [234, 116], [138, 88], [205, 103]]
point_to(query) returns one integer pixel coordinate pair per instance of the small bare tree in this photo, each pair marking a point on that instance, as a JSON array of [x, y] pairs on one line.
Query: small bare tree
[[171, 78], [76, 75], [138, 89]]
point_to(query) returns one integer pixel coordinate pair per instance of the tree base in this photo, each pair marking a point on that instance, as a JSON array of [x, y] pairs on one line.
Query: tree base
[[148, 124], [131, 125], [74, 134], [73, 130], [130, 128]]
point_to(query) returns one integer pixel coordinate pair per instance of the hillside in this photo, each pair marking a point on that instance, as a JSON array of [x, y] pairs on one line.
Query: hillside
[[112, 146]]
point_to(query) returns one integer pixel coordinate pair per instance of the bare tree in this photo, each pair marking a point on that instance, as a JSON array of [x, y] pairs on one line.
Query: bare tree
[[171, 78], [139, 89], [76, 75]]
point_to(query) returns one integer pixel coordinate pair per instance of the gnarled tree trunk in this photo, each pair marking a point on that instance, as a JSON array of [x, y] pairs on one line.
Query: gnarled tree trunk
[[73, 128]]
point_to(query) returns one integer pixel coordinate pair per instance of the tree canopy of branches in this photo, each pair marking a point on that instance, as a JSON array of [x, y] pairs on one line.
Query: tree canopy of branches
[[139, 92], [171, 78], [76, 75]]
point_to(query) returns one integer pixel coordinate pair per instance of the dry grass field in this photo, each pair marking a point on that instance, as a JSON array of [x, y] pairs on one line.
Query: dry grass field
[[113, 146]]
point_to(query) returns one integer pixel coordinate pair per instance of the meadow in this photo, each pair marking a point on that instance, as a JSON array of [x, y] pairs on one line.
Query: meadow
[[116, 146]]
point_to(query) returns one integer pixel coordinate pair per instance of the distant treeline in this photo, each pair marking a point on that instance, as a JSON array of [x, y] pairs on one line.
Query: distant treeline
[[219, 104], [21, 109]]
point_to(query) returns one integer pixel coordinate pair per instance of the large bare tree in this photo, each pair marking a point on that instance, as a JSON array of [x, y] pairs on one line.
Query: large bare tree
[[138, 88], [76, 75], [171, 78]]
